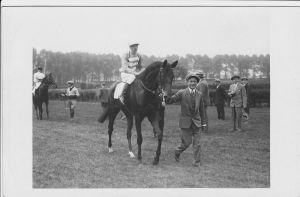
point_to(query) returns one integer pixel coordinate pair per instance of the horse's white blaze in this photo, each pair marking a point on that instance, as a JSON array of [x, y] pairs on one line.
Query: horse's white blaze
[[110, 150], [131, 154]]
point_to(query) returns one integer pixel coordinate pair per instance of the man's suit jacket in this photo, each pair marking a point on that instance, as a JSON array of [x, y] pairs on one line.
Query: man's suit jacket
[[203, 88], [238, 95], [186, 115], [220, 95]]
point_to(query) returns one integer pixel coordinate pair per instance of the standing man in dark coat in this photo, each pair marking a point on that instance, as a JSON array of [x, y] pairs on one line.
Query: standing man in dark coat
[[203, 88], [238, 102], [220, 97], [248, 92], [191, 117]]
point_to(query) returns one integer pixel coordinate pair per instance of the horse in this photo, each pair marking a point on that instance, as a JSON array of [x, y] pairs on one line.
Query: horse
[[41, 96], [143, 98]]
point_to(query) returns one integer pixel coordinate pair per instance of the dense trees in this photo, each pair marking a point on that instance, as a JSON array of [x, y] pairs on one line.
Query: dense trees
[[88, 68]]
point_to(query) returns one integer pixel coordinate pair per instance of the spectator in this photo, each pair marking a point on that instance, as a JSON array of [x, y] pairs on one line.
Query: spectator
[[238, 101], [203, 88], [220, 97], [248, 92]]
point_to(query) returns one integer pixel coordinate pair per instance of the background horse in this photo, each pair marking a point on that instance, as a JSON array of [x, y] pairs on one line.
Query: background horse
[[142, 99], [41, 96]]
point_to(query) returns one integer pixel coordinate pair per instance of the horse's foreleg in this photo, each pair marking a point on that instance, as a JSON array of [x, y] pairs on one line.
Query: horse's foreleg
[[138, 123], [112, 117], [159, 138]]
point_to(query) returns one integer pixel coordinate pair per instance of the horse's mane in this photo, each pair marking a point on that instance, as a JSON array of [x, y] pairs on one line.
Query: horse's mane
[[148, 70]]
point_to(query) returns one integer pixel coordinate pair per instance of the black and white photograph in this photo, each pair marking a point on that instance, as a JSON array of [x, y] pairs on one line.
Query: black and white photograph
[[173, 96]]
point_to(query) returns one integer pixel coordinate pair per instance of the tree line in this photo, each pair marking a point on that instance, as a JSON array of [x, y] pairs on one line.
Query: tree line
[[87, 68]]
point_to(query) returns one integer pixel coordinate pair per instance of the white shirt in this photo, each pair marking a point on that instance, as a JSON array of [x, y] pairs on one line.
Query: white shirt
[[192, 90], [72, 91], [38, 77]]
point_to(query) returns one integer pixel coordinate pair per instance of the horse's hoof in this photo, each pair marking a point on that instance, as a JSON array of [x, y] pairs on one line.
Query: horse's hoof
[[131, 155], [110, 150]]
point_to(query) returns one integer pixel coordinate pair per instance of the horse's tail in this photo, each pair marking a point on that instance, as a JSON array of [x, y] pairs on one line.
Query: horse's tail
[[106, 98]]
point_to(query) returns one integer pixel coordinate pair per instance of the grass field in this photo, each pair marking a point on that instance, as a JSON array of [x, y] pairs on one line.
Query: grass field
[[75, 154]]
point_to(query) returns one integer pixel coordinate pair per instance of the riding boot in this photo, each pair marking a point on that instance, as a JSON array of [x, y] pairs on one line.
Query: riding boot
[[123, 93]]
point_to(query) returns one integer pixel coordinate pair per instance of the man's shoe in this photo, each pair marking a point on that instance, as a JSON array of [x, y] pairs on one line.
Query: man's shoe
[[177, 155], [232, 130]]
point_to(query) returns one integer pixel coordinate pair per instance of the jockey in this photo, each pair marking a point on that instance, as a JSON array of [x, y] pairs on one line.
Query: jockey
[[37, 79], [72, 94], [131, 66]]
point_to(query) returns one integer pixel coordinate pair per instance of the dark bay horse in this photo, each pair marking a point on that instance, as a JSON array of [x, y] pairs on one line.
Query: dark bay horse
[[41, 95], [142, 99]]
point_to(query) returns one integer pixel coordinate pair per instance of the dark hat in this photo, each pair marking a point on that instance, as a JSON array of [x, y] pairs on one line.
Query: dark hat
[[244, 78], [200, 74], [192, 75], [234, 77], [40, 68]]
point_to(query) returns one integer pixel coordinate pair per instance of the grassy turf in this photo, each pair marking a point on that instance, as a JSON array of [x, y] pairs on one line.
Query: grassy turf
[[75, 154]]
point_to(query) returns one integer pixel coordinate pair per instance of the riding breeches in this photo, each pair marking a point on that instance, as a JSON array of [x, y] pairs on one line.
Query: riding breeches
[[127, 78], [72, 103], [36, 86]]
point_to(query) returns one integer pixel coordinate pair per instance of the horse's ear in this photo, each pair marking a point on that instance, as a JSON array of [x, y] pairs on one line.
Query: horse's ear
[[174, 64], [165, 63]]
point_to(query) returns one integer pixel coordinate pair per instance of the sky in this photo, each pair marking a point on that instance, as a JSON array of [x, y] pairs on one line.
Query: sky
[[160, 31]]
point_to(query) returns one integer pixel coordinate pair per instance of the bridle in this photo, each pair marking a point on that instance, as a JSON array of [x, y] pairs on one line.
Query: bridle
[[159, 91]]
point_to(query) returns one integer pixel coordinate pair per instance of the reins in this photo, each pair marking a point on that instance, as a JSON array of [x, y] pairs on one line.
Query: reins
[[160, 89]]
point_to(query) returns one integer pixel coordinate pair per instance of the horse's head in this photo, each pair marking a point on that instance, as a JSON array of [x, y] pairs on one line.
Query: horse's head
[[166, 76], [49, 80]]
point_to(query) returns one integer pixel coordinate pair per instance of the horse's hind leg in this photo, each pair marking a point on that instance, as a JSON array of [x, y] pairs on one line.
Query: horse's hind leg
[[138, 122], [40, 107], [112, 117], [129, 129], [47, 111], [36, 112]]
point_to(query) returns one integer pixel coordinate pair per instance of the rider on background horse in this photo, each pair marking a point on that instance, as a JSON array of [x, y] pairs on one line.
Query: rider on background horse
[[37, 79], [131, 66]]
